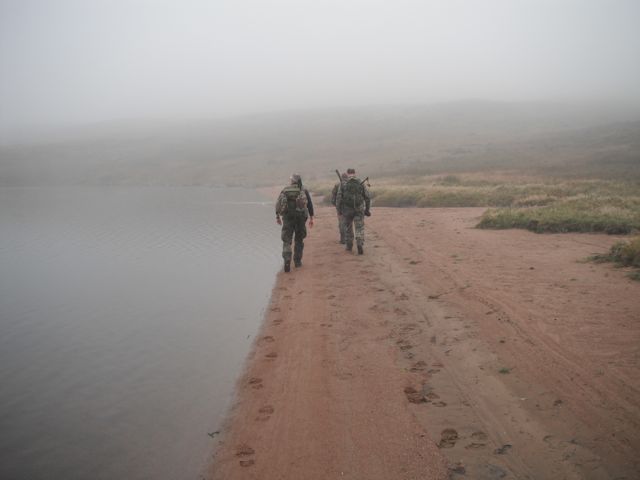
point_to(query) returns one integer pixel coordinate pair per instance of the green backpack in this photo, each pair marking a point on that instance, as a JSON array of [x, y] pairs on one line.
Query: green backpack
[[292, 199], [352, 193]]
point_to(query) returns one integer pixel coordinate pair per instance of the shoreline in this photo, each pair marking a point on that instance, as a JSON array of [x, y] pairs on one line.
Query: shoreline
[[420, 360]]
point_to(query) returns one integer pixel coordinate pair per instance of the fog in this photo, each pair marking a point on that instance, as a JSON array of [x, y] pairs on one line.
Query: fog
[[66, 62]]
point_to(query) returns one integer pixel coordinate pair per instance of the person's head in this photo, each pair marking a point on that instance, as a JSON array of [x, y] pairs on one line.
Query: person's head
[[351, 172], [295, 179], [344, 175]]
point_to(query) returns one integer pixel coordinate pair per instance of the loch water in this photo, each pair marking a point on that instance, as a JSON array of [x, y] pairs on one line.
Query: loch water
[[126, 314]]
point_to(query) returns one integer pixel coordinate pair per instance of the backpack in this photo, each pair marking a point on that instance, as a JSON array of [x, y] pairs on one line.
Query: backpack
[[352, 193], [292, 200]]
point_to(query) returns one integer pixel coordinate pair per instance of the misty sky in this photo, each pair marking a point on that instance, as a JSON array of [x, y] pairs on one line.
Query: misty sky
[[74, 61]]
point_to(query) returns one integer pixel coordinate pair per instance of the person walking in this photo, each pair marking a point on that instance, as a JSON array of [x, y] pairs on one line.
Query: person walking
[[334, 196], [293, 207], [353, 203]]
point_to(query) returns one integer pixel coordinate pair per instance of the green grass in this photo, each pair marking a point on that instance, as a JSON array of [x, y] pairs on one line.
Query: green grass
[[613, 215], [623, 254], [517, 201]]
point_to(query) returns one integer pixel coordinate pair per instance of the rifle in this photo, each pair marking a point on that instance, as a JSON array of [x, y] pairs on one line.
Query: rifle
[[366, 180]]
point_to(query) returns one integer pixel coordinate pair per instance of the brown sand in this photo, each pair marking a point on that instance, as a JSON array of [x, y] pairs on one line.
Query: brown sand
[[443, 352]]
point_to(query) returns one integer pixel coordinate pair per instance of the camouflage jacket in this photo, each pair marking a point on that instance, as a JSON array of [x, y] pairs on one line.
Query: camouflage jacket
[[309, 207], [366, 204]]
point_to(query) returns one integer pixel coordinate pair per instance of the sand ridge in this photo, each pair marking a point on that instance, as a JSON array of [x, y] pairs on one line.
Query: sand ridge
[[443, 352]]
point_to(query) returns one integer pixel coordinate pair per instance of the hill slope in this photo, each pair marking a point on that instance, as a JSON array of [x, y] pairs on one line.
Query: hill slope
[[262, 149]]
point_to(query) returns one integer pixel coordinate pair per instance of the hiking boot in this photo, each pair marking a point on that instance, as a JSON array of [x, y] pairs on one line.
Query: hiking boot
[[349, 247], [287, 265], [360, 250], [297, 263], [343, 242]]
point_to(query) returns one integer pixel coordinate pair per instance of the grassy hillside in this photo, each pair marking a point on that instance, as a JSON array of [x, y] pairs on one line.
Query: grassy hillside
[[559, 140], [537, 203]]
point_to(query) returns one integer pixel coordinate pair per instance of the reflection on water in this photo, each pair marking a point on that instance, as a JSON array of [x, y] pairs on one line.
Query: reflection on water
[[125, 316]]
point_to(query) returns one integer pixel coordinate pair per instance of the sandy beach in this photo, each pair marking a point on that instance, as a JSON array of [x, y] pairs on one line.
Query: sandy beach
[[443, 352]]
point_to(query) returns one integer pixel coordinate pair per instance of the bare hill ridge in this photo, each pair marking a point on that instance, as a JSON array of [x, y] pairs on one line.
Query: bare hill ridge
[[262, 149]]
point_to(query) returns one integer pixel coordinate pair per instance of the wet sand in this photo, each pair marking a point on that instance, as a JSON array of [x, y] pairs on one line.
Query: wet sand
[[443, 352]]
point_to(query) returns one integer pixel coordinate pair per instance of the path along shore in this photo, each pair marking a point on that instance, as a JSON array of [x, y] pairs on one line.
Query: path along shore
[[443, 352]]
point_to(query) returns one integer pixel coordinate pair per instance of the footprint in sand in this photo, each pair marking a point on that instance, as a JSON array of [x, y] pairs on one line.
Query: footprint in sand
[[244, 451], [495, 472], [408, 328], [418, 366], [479, 435], [277, 321], [439, 404], [502, 450], [271, 355], [414, 396], [265, 413], [448, 438], [267, 339], [256, 382], [475, 446], [430, 395]]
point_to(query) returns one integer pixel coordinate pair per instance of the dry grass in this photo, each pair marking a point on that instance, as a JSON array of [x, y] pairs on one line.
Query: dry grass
[[518, 201], [623, 254]]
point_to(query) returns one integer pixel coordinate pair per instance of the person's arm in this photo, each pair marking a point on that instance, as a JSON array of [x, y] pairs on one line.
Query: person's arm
[[339, 200], [309, 207], [367, 201], [278, 203], [334, 194]]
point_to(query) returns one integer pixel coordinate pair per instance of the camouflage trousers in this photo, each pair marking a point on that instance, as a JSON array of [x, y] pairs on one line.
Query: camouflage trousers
[[350, 218], [293, 227], [341, 229]]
